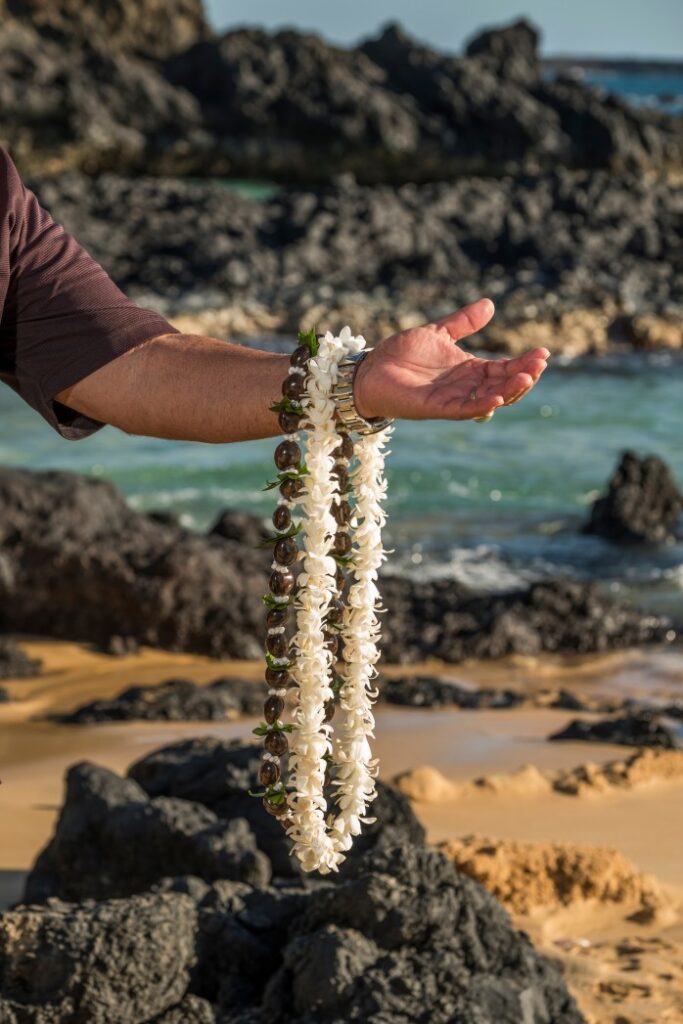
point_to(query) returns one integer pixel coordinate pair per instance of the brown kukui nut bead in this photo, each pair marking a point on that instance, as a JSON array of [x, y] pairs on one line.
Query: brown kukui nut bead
[[289, 421], [335, 612], [276, 743], [330, 708], [300, 356], [277, 645], [293, 387], [282, 518], [342, 512], [291, 489], [273, 708], [342, 544], [285, 550], [345, 449], [287, 455], [277, 810], [331, 642], [269, 773], [277, 677], [281, 583], [276, 617], [340, 578], [342, 475]]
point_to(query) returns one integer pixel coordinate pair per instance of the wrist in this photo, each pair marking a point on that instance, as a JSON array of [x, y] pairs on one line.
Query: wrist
[[362, 392]]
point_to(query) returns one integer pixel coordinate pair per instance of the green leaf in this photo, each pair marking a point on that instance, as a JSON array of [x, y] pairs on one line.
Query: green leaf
[[270, 602], [261, 730], [276, 798], [291, 532], [343, 560], [287, 405], [252, 793], [272, 662], [310, 340], [288, 474]]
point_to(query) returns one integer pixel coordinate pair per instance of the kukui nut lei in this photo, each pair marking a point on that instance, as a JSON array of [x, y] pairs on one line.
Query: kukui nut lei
[[337, 486]]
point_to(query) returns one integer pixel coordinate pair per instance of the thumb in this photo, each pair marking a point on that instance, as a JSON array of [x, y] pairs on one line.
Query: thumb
[[469, 319]]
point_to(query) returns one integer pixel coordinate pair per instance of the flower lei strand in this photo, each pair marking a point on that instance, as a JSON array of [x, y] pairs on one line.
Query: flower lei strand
[[329, 662]]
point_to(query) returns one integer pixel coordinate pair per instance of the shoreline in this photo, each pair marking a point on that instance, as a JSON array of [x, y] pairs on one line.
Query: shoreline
[[589, 939]]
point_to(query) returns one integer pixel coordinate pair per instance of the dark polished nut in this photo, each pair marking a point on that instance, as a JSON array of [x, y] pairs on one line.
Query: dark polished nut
[[289, 422], [345, 449], [277, 810], [285, 551], [342, 475], [340, 578], [342, 544], [277, 616], [272, 708], [331, 642], [282, 518], [330, 708], [269, 773], [281, 583], [277, 644], [293, 387], [335, 612], [276, 743], [287, 455], [300, 356], [277, 677], [342, 512], [291, 489]]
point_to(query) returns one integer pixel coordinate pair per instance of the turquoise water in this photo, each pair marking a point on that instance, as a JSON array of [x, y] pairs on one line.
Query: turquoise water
[[491, 504]]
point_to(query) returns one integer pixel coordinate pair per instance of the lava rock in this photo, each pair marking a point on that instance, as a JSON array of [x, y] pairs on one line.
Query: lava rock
[[219, 775], [121, 573], [115, 962], [432, 692], [438, 619], [644, 728], [15, 663], [176, 700], [152, 28], [400, 936], [121, 84], [643, 504], [112, 840], [527, 241]]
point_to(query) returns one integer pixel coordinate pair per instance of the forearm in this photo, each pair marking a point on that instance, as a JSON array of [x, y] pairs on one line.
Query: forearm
[[185, 387]]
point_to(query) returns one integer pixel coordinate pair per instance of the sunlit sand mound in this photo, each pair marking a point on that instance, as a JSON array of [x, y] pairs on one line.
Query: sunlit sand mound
[[527, 875], [646, 766], [428, 785]]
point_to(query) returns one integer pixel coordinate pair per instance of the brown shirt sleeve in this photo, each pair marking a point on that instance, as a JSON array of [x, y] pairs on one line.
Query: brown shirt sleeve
[[62, 316]]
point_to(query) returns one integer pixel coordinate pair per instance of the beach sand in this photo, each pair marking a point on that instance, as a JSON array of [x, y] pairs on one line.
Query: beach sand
[[618, 937]]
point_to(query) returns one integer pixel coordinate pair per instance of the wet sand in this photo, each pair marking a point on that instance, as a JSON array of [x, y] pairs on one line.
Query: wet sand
[[644, 823]]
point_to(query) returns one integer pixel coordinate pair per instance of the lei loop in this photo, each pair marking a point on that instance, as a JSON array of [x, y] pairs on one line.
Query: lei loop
[[329, 663]]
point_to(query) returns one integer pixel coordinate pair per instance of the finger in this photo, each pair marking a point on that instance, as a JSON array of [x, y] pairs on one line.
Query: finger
[[455, 408], [536, 358], [468, 320], [517, 386]]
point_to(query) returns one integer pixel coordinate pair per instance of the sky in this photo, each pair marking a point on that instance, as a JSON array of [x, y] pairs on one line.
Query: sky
[[633, 28]]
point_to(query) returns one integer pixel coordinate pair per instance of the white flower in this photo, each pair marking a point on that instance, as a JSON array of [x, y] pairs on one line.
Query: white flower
[[320, 838]]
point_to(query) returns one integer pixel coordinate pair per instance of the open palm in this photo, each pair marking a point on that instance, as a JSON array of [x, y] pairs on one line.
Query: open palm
[[422, 373]]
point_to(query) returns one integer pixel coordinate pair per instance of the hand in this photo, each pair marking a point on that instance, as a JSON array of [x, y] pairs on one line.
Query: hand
[[421, 373]]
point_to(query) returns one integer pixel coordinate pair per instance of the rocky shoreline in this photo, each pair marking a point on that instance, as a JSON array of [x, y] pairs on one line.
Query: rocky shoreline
[[190, 887], [582, 262], [115, 92], [125, 578]]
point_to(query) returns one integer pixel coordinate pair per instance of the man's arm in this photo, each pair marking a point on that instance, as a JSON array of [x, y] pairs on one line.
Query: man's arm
[[194, 388]]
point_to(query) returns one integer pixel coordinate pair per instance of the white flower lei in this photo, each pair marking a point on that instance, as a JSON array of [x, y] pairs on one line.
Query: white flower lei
[[321, 839]]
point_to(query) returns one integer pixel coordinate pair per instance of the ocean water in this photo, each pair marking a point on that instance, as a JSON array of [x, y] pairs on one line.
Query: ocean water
[[658, 89], [491, 504]]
